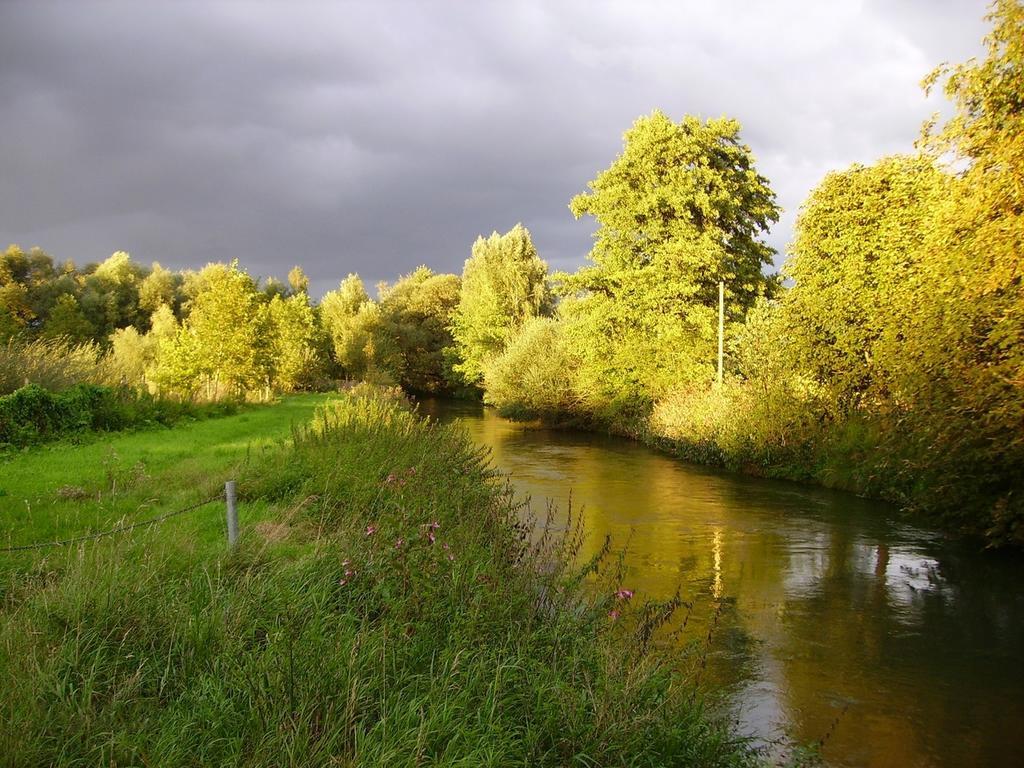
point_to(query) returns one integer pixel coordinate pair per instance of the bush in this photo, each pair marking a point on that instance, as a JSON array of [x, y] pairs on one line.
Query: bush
[[762, 427], [534, 376], [33, 415]]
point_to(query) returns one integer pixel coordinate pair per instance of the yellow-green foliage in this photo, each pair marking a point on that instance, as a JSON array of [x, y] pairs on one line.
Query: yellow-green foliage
[[131, 355], [534, 376], [224, 345], [417, 312], [68, 321], [294, 347], [504, 284], [862, 280], [899, 350], [680, 209], [362, 347]]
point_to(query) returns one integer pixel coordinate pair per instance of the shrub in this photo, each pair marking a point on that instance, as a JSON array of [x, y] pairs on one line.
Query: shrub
[[762, 427], [32, 414], [534, 376]]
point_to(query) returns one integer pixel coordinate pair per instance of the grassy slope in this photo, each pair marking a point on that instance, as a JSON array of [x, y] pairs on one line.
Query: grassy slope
[[323, 642], [127, 476]]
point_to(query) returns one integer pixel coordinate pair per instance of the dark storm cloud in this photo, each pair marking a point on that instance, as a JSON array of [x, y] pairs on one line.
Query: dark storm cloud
[[374, 137]]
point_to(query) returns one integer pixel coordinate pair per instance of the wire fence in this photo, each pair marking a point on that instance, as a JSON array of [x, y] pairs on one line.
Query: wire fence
[[112, 531]]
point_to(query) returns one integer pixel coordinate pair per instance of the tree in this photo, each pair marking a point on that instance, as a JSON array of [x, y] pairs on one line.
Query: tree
[[159, 288], [110, 294], [67, 320], [294, 344], [226, 332], [339, 310], [297, 280], [364, 347], [979, 389], [417, 311], [680, 209], [132, 354], [504, 284], [858, 265]]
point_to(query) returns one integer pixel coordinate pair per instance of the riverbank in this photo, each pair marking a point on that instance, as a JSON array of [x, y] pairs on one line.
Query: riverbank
[[385, 610], [957, 498]]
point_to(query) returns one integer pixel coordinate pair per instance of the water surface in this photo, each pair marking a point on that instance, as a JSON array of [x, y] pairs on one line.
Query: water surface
[[837, 618]]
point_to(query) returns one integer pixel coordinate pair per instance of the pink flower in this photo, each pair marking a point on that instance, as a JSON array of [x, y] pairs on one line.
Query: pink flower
[[451, 557], [434, 525], [391, 478], [399, 543], [411, 471], [613, 615], [624, 594], [342, 582], [371, 529], [431, 537], [349, 574], [346, 563], [445, 545]]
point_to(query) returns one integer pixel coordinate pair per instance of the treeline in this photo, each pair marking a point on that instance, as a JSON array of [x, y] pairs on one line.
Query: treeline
[[886, 359], [216, 332]]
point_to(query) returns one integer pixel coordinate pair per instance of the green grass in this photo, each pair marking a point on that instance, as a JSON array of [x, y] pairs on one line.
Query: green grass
[[64, 490], [388, 610]]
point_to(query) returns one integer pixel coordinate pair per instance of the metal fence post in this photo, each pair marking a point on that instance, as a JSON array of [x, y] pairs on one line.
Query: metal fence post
[[229, 495]]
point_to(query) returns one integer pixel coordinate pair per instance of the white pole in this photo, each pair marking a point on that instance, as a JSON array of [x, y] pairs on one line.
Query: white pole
[[721, 328], [229, 495]]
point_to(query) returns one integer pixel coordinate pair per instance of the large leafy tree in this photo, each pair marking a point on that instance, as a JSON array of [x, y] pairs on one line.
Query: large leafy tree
[[858, 265], [294, 342], [110, 294], [67, 321], [417, 311], [680, 209], [226, 337], [504, 284], [160, 287], [363, 345]]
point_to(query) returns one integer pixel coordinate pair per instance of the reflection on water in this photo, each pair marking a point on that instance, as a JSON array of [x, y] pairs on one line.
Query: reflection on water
[[829, 606]]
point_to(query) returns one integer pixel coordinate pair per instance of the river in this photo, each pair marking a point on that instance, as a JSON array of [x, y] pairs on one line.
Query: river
[[837, 618]]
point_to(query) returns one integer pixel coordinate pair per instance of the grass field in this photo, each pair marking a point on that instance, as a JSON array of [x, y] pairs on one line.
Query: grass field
[[64, 489], [385, 607]]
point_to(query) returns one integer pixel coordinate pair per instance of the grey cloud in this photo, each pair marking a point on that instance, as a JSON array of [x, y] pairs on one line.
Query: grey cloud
[[373, 137]]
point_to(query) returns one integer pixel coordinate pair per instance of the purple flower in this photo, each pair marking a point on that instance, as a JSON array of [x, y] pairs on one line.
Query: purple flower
[[371, 529], [613, 615], [400, 543], [434, 525], [624, 594], [431, 537]]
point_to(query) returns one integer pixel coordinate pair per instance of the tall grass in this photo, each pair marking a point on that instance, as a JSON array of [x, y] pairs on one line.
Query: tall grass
[[53, 364], [395, 612]]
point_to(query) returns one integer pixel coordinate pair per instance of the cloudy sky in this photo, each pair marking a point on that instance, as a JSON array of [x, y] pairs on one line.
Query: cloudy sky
[[374, 137]]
